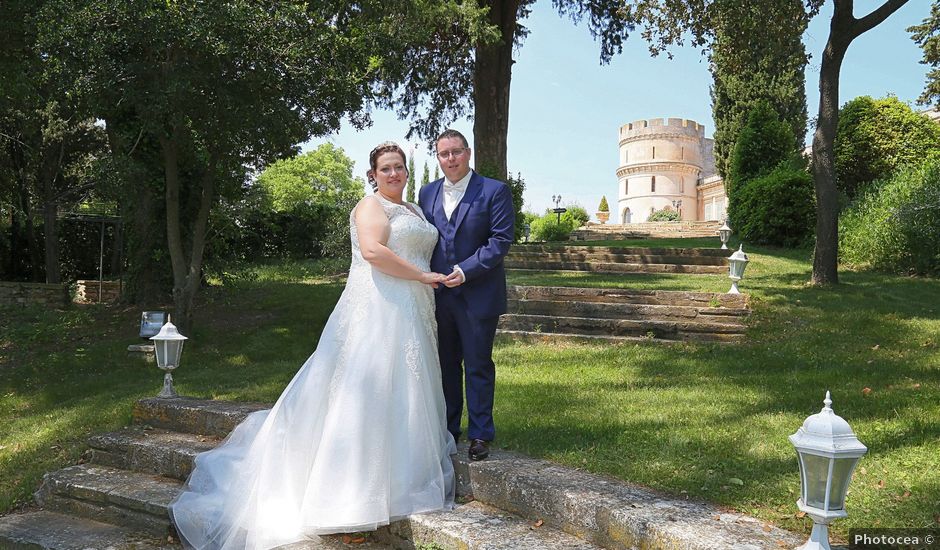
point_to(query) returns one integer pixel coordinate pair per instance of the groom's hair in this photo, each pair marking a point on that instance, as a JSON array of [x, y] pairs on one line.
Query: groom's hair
[[451, 133]]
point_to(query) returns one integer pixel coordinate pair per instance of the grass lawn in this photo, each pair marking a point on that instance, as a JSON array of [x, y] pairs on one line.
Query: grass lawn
[[705, 421]]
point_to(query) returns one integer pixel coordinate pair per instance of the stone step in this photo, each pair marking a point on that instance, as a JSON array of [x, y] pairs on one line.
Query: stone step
[[665, 330], [476, 525], [628, 250], [48, 530], [151, 451], [195, 416], [588, 236], [603, 257], [132, 500], [531, 337], [599, 310], [629, 296], [604, 267], [684, 224], [136, 502], [139, 502], [609, 512]]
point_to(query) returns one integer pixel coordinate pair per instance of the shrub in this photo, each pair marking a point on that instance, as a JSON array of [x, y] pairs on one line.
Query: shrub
[[876, 137], [577, 215], [603, 206], [777, 209], [664, 215], [895, 225], [517, 186], [547, 228], [764, 142]]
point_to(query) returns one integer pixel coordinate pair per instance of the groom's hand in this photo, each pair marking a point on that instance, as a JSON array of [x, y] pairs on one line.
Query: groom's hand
[[431, 278], [454, 279]]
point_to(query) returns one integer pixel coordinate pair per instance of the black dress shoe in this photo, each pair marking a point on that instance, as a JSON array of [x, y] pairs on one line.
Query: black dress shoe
[[479, 449]]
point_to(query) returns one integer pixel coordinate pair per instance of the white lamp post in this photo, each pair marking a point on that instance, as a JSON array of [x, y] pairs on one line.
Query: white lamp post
[[168, 346], [828, 452], [736, 264], [724, 233]]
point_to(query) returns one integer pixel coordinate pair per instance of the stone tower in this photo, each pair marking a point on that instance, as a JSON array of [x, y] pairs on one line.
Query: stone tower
[[661, 163]]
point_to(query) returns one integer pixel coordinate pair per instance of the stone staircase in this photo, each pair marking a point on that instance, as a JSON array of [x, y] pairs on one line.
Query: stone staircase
[[646, 230], [118, 499], [615, 315], [606, 259]]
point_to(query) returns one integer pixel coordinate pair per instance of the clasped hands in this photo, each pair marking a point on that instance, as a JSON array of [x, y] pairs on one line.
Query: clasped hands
[[435, 279]]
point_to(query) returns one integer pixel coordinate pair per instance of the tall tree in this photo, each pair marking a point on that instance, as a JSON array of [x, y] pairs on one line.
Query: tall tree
[[477, 79], [410, 197], [222, 89], [844, 27], [426, 176], [750, 62], [50, 147], [927, 36], [665, 22]]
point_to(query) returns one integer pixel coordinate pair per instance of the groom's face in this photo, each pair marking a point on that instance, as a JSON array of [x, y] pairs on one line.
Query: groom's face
[[454, 157]]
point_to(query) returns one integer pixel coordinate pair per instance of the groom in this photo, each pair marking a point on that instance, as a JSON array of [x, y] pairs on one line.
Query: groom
[[475, 218]]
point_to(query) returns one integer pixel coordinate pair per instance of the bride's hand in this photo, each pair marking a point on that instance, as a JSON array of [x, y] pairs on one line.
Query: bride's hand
[[432, 278]]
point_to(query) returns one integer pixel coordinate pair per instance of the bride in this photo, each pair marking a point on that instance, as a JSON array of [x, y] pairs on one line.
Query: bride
[[358, 438]]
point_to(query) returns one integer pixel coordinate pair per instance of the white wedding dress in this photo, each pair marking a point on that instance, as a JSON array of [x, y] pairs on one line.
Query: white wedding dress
[[357, 439]]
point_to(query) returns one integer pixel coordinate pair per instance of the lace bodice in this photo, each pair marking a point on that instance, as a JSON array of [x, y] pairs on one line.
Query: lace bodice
[[411, 236]]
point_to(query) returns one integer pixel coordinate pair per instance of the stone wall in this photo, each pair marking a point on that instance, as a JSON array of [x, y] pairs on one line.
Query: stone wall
[[23, 294], [87, 291]]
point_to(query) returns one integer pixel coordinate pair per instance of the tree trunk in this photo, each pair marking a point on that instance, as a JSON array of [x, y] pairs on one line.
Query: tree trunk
[[24, 205], [50, 228], [843, 29], [169, 146], [187, 276], [144, 282], [117, 251], [826, 254], [491, 84]]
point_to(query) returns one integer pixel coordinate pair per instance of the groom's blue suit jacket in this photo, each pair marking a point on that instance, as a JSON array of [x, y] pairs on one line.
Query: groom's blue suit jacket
[[477, 238]]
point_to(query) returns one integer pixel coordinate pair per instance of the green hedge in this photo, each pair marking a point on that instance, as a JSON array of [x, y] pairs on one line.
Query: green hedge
[[663, 215], [778, 209], [895, 224]]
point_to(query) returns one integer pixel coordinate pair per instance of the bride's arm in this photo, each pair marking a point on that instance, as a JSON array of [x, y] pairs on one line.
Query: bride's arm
[[373, 229]]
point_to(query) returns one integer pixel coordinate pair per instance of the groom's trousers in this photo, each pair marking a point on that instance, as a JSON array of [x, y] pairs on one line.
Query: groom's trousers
[[463, 338]]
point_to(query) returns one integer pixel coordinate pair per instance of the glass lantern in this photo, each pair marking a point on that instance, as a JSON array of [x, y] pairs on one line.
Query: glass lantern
[[828, 452], [724, 233], [168, 347], [736, 264]]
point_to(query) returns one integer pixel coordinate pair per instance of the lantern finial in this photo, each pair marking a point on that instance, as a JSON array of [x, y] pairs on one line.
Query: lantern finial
[[827, 402]]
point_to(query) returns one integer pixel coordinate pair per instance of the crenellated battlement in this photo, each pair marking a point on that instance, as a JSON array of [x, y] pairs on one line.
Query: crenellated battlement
[[676, 126]]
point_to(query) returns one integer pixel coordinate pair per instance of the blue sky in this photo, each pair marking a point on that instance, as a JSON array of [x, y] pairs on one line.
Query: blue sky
[[566, 109]]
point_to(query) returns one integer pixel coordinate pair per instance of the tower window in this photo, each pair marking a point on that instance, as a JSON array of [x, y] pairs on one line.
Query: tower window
[[653, 184], [654, 151]]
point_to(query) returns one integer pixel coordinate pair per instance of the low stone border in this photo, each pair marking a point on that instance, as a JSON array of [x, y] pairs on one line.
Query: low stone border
[[23, 294]]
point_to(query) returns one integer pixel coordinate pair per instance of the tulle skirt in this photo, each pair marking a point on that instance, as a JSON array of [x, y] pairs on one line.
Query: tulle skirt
[[357, 440]]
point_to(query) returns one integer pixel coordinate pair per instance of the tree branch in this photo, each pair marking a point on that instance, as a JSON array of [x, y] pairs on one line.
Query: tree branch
[[876, 17]]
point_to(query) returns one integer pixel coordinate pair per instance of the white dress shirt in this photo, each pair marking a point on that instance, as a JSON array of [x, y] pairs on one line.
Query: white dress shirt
[[453, 194]]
